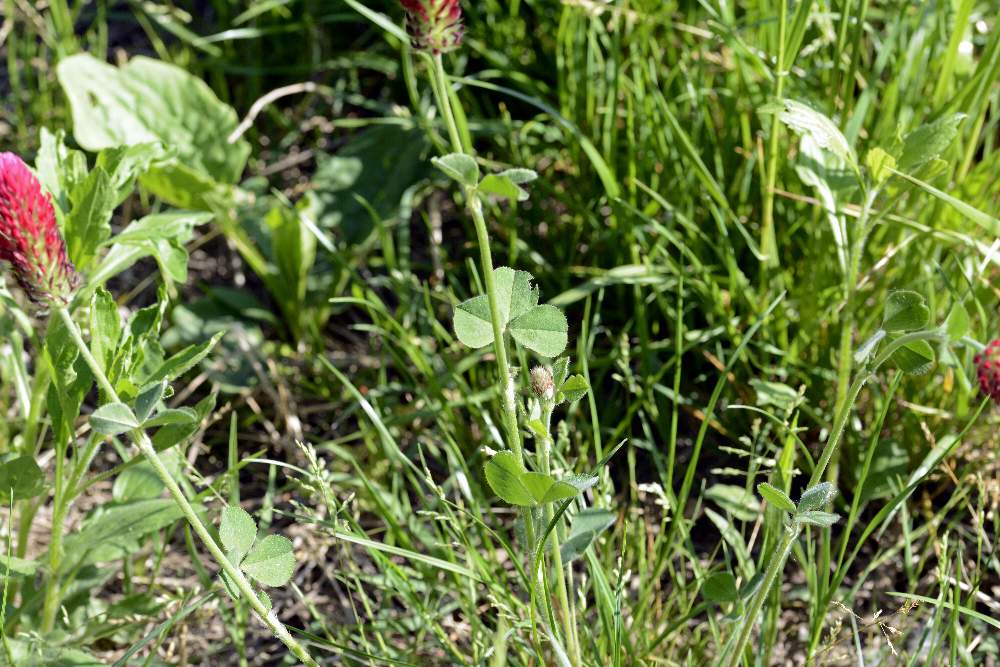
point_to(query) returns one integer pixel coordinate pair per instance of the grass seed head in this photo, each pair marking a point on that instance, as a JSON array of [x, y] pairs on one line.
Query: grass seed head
[[29, 236]]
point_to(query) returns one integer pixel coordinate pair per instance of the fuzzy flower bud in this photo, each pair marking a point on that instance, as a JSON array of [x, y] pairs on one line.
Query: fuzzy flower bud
[[542, 382], [434, 26], [29, 236], [988, 369]]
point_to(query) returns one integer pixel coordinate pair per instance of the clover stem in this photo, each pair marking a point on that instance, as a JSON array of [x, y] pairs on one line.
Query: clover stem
[[569, 621], [832, 444], [775, 566], [147, 449], [508, 391], [50, 605], [439, 84]]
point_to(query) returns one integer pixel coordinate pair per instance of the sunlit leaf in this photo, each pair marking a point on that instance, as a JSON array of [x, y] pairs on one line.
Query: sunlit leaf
[[271, 562], [928, 141], [905, 311], [804, 120], [817, 497], [113, 419], [776, 497], [542, 329], [237, 531], [504, 475], [459, 167]]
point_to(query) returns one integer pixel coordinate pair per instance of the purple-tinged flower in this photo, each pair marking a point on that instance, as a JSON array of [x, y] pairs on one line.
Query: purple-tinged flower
[[29, 236], [434, 26], [988, 369]]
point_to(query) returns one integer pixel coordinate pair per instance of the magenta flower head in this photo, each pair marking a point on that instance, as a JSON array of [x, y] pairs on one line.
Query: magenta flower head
[[988, 368], [434, 26], [29, 236]]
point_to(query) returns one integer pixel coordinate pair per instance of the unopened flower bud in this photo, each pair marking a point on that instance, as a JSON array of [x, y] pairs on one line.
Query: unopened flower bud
[[988, 369], [29, 236], [434, 26], [542, 382]]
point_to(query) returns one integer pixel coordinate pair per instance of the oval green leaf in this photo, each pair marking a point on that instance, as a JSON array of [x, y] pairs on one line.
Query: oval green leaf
[[905, 311], [237, 531], [817, 497], [720, 587], [915, 357], [271, 562], [543, 329], [505, 476], [113, 419], [776, 497]]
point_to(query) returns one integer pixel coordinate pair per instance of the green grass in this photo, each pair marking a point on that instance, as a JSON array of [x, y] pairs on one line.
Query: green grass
[[719, 364]]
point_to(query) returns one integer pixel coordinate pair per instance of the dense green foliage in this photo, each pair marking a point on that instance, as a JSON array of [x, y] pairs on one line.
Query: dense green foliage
[[772, 230]]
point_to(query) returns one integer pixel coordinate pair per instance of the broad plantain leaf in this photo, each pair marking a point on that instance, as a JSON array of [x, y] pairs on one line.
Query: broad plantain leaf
[[151, 101]]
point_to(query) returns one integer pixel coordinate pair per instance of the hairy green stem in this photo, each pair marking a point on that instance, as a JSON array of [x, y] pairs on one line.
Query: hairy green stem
[[439, 86], [52, 588], [775, 566], [569, 621], [840, 422], [147, 449], [845, 360]]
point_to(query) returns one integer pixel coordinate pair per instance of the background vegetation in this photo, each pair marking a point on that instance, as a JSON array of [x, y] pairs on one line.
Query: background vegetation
[[361, 421]]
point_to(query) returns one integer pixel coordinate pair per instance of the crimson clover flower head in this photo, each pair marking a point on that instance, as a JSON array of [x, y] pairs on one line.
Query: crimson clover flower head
[[434, 26], [988, 369], [29, 236]]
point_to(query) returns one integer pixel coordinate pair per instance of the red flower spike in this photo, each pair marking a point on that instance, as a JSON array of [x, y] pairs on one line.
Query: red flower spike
[[988, 369], [434, 26], [29, 236]]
